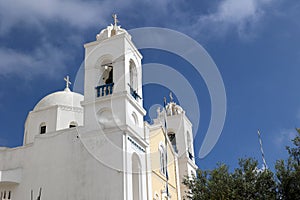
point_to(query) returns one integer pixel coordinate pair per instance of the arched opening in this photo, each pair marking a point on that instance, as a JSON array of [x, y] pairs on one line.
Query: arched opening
[[134, 118], [108, 74], [162, 158], [43, 128], [189, 145], [133, 80], [136, 178], [172, 138], [73, 124], [132, 75], [106, 82]]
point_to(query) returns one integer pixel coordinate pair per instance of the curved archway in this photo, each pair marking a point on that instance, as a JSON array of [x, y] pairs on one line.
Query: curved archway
[[172, 138], [133, 75], [136, 177], [73, 124]]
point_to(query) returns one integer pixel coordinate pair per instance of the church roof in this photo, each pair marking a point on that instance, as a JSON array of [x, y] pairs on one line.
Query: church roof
[[62, 98]]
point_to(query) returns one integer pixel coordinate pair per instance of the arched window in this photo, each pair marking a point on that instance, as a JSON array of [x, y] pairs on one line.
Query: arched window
[[134, 118], [73, 124], [162, 157], [107, 76], [133, 75], [106, 82], [189, 144], [136, 178], [172, 138], [43, 128]]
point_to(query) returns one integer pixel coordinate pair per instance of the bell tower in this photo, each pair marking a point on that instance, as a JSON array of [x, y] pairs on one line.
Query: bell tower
[[179, 130], [113, 81], [113, 109]]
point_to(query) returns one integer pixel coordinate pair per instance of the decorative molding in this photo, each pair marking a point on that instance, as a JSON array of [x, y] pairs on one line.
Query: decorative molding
[[69, 108], [136, 144]]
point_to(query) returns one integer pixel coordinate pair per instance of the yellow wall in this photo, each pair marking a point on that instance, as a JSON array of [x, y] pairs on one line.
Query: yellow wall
[[158, 179]]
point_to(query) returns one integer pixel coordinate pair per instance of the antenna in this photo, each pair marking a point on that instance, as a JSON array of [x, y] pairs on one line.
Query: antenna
[[262, 150]]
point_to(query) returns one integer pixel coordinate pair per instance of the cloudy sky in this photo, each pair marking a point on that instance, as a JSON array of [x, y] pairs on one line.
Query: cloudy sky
[[254, 43]]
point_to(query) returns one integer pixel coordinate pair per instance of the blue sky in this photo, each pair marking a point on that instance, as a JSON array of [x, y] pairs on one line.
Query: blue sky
[[254, 43]]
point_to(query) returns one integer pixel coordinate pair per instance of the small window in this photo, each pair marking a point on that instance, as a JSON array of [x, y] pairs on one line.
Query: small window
[[73, 124], [172, 138], [162, 156], [43, 129], [9, 194]]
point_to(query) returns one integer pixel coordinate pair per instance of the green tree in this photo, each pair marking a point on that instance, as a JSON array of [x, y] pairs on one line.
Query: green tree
[[288, 173], [253, 183], [249, 182], [246, 182], [214, 184]]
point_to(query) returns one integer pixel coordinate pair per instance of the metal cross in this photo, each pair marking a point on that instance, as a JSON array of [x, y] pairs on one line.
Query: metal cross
[[68, 82], [115, 19], [171, 96]]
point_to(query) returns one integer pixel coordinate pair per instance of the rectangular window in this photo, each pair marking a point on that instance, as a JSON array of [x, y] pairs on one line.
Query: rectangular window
[[43, 129]]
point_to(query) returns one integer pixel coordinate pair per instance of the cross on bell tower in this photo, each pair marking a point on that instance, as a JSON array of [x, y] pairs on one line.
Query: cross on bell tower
[[115, 17], [68, 83]]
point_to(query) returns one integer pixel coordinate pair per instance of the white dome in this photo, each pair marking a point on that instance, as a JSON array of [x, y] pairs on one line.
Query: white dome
[[63, 98]]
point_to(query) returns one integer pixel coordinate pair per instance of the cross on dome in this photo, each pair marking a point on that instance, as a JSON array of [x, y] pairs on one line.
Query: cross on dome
[[68, 83]]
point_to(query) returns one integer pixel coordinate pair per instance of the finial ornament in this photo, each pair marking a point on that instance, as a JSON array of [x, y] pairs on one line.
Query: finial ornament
[[171, 97], [68, 82], [115, 19]]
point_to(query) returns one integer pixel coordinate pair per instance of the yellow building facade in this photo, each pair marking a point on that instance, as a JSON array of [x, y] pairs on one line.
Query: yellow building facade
[[171, 160]]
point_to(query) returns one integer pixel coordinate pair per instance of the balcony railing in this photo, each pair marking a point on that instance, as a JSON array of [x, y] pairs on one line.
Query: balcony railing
[[190, 155], [134, 93], [104, 90]]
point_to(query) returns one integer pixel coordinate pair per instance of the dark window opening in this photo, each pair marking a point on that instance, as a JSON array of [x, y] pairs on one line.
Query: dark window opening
[[190, 155], [172, 139], [110, 75], [43, 130]]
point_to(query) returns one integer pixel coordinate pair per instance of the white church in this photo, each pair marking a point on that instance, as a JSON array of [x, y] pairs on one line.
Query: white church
[[97, 145]]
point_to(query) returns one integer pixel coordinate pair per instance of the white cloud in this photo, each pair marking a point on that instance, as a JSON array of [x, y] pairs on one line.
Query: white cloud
[[284, 137], [35, 15], [78, 13], [46, 60], [242, 16], [82, 14]]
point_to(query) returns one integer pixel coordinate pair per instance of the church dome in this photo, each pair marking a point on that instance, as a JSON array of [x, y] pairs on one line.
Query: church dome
[[62, 98]]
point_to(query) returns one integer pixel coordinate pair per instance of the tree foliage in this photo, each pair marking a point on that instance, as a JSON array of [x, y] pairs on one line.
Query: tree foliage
[[249, 182], [288, 173]]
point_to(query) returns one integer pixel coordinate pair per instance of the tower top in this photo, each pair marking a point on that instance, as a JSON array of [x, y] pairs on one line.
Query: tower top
[[68, 83], [115, 17], [112, 30]]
